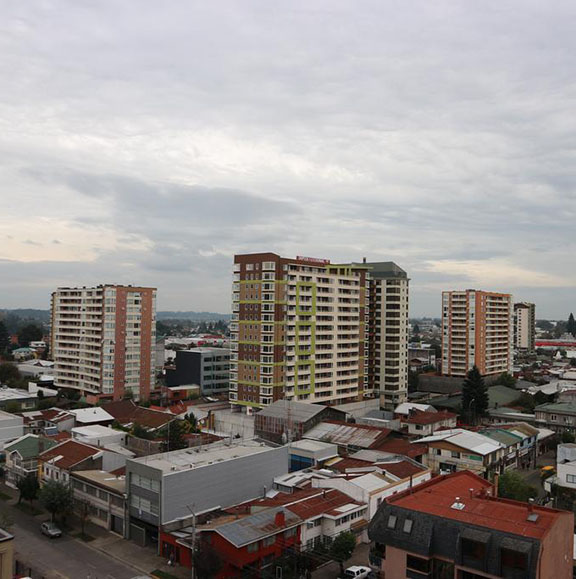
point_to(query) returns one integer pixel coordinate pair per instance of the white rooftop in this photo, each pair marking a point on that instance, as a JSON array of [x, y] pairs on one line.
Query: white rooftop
[[196, 457], [88, 415], [7, 394], [406, 407], [313, 445], [95, 430], [472, 441]]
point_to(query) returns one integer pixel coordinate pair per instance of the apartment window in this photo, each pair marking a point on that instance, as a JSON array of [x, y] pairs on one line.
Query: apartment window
[[417, 564], [571, 478], [473, 550], [408, 525], [392, 521], [512, 560], [252, 548], [269, 541], [289, 533]]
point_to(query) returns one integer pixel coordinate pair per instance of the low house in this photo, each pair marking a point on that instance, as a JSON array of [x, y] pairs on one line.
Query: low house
[[71, 455], [348, 437], [48, 422], [6, 554], [424, 423], [22, 457], [406, 408], [128, 413], [458, 449], [559, 417], [18, 398], [286, 420], [91, 416], [310, 454], [104, 495]]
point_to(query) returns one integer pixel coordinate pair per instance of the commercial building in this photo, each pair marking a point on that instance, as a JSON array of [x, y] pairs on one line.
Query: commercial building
[[102, 340], [453, 527], [165, 490], [387, 355], [297, 331], [209, 368], [524, 326], [477, 330], [308, 330]]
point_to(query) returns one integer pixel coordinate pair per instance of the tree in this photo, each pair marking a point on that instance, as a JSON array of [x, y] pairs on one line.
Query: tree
[[507, 380], [4, 338], [512, 486], [416, 329], [28, 487], [56, 497], [9, 374], [193, 423], [568, 437], [30, 333], [545, 325], [140, 432], [342, 548], [474, 396], [175, 436], [12, 407], [571, 325]]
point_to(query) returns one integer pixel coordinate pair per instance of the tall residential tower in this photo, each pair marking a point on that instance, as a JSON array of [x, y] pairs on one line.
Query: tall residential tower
[[305, 329], [524, 326], [477, 330], [102, 340]]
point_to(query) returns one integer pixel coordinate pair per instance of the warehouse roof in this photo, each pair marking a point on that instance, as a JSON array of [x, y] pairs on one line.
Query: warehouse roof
[[299, 411]]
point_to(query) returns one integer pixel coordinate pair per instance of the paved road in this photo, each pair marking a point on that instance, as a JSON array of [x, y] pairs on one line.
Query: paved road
[[63, 558]]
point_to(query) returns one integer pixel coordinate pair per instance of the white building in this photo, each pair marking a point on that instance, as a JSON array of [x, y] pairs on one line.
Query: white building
[[11, 427], [524, 326]]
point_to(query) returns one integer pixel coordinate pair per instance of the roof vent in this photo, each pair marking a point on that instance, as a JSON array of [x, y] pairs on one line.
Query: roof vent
[[458, 505]]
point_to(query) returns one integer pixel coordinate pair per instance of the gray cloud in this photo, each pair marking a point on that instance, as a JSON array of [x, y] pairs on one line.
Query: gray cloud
[[171, 138]]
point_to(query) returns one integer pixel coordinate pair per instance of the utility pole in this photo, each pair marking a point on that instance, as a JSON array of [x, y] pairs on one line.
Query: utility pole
[[193, 545]]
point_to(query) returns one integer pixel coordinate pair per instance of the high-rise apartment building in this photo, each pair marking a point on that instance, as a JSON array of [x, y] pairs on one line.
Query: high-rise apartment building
[[102, 340], [524, 326], [388, 333], [300, 330], [477, 330]]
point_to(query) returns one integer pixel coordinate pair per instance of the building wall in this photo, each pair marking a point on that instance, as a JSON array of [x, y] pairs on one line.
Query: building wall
[[7, 556], [477, 329], [222, 484], [428, 429], [11, 428], [556, 553], [524, 326]]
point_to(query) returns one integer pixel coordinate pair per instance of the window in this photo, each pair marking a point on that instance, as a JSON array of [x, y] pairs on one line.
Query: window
[[392, 522], [269, 541], [408, 525], [289, 533], [252, 548], [571, 478], [473, 550], [454, 454], [512, 560], [417, 563]]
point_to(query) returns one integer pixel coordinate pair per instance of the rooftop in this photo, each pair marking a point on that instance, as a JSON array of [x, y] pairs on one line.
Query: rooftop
[[425, 418], [344, 433], [439, 495], [407, 407], [299, 411], [95, 430], [313, 446], [69, 453], [472, 441], [127, 412], [91, 415], [29, 445], [196, 457], [7, 394], [560, 407], [103, 479]]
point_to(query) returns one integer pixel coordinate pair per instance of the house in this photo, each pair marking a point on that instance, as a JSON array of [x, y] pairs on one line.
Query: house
[[59, 461], [559, 416], [22, 354], [91, 416], [22, 457], [458, 449], [288, 420], [406, 408], [347, 436], [11, 427], [48, 422], [424, 423], [248, 546], [104, 494], [454, 527], [17, 397], [310, 454], [128, 413], [162, 487]]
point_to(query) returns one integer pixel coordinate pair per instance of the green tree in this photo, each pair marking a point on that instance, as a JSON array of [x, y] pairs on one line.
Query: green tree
[[9, 374], [571, 325], [474, 396], [568, 437], [4, 338], [140, 432], [30, 333], [507, 380], [28, 487], [544, 325], [193, 423], [175, 436], [342, 548], [416, 329], [12, 407], [56, 497], [512, 486]]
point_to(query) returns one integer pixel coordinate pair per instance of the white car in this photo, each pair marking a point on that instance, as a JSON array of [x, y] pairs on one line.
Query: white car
[[357, 572]]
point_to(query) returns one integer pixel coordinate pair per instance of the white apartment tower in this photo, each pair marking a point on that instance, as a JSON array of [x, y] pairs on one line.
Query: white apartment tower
[[524, 326], [388, 333], [477, 330], [102, 340]]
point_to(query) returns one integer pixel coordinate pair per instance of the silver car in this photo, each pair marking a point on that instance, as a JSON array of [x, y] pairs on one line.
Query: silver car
[[50, 530]]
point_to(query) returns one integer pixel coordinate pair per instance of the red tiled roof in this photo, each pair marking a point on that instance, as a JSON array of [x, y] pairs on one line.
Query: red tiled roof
[[346, 463], [436, 497], [325, 501], [402, 469], [126, 411], [423, 417], [403, 446], [70, 452]]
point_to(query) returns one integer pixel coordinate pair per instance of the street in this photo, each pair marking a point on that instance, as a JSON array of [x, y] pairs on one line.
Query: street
[[60, 558]]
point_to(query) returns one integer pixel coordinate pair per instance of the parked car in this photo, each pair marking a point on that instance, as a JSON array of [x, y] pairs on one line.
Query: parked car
[[50, 530], [357, 572]]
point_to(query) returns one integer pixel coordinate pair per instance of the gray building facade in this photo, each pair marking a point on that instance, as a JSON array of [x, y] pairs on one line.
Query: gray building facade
[[209, 368]]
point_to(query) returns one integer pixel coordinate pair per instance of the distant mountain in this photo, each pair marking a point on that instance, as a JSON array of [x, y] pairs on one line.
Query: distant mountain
[[28, 314], [194, 316]]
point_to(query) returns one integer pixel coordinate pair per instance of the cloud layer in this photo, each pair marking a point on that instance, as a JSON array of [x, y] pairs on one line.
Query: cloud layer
[[147, 143]]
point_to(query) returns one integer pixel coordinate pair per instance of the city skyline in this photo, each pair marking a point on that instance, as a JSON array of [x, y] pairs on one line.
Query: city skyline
[[150, 146]]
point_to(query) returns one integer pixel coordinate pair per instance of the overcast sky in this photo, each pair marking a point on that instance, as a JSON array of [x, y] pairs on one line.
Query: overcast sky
[[147, 142]]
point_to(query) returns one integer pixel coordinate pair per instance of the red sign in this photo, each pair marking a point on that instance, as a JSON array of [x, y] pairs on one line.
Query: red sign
[[313, 260]]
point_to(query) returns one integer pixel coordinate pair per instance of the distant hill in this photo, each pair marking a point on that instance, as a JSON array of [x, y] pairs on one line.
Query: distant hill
[[44, 315]]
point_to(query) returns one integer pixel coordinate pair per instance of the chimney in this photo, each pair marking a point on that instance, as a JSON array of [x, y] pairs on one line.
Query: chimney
[[471, 492], [530, 505], [280, 519]]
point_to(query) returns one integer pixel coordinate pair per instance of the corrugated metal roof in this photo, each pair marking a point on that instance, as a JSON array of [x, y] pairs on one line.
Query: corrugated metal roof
[[341, 433], [472, 441], [299, 411]]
